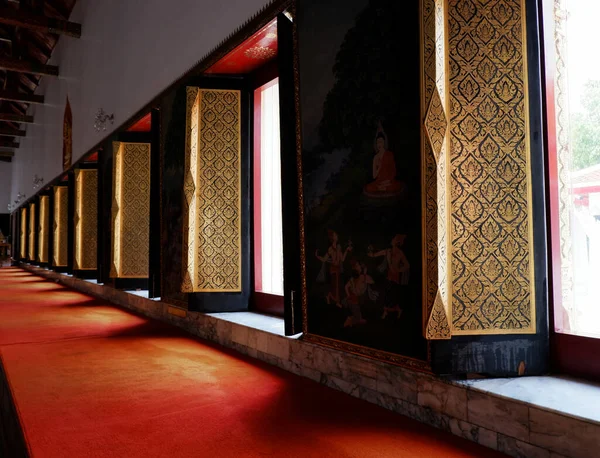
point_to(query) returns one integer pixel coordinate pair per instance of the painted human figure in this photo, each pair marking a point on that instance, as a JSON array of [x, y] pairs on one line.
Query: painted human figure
[[384, 169], [358, 290], [398, 271], [334, 258]]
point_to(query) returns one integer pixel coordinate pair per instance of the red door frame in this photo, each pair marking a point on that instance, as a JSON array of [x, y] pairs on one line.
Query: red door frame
[[570, 354]]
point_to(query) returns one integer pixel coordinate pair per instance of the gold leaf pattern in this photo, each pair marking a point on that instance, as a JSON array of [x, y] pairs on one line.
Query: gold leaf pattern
[[212, 192], [260, 53], [435, 180], [43, 228], [61, 218], [86, 219], [131, 210], [491, 281], [23, 234], [32, 232]]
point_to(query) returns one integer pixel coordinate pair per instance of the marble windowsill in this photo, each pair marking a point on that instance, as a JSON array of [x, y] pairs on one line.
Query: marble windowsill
[[561, 394], [271, 324]]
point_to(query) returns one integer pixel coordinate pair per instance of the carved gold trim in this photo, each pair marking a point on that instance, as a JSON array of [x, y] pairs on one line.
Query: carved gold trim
[[60, 226], [86, 219], [435, 147], [564, 159], [31, 251], [23, 234], [212, 260], [130, 210], [43, 229]]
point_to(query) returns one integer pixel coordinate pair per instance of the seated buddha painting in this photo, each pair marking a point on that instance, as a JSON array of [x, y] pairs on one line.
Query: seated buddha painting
[[384, 182], [360, 95]]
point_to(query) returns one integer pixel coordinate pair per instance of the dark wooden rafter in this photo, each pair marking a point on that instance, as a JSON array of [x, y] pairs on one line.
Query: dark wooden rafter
[[17, 65], [10, 132], [13, 117], [21, 97], [8, 143], [29, 32], [24, 19]]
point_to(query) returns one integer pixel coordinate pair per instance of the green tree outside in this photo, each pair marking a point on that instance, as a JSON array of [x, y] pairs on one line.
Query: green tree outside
[[585, 128]]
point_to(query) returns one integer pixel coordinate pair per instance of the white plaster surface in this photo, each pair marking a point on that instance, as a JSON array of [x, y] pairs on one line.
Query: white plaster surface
[[129, 52]]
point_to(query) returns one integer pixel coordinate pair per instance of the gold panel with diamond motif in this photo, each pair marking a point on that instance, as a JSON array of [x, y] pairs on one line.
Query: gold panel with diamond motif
[[492, 243], [86, 219], [131, 210], [434, 105], [23, 234], [43, 229], [60, 226], [212, 192], [32, 232]]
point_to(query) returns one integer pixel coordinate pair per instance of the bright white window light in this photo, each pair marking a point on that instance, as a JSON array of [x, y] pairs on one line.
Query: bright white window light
[[270, 192]]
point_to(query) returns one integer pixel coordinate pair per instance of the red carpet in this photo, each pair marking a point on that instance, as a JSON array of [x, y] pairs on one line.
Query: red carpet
[[95, 381]]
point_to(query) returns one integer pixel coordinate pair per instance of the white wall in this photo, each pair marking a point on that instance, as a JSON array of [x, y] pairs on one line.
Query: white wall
[[128, 53], [5, 185]]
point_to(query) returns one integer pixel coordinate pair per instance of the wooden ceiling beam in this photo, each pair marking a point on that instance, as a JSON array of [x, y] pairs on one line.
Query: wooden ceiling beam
[[8, 144], [10, 117], [9, 132], [27, 20], [15, 96], [23, 66]]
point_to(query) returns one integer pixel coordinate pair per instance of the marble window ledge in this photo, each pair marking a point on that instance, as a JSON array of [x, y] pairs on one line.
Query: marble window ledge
[[271, 324], [545, 417], [560, 394]]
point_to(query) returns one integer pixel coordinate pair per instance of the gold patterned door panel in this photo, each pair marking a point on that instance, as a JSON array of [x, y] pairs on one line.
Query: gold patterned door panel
[[60, 227], [130, 210], [212, 234], [23, 234], [43, 228], [86, 219], [491, 250], [32, 227]]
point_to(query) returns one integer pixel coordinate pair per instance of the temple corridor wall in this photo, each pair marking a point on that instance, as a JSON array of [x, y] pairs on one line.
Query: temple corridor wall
[[6, 169], [151, 42]]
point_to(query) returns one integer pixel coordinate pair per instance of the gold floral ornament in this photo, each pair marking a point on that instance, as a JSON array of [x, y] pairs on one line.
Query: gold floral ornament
[[212, 192], [435, 181], [131, 210], [86, 219], [60, 226], [259, 53], [491, 244]]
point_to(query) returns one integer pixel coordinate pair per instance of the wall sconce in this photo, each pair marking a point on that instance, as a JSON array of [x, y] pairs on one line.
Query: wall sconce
[[37, 181], [16, 203], [101, 119]]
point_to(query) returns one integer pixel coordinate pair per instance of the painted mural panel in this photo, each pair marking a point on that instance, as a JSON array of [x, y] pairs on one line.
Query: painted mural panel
[[361, 158]]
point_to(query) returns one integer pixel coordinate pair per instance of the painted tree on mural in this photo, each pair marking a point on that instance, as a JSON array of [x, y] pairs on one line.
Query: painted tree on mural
[[585, 128], [369, 89], [365, 67]]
